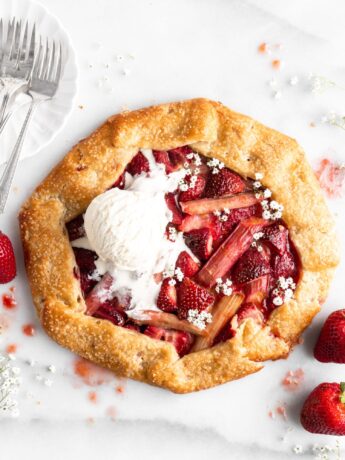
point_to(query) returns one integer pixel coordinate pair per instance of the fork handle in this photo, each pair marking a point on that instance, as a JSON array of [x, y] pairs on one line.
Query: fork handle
[[11, 165]]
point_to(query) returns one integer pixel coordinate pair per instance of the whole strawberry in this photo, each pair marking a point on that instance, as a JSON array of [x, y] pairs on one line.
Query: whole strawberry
[[7, 260], [324, 410], [330, 347]]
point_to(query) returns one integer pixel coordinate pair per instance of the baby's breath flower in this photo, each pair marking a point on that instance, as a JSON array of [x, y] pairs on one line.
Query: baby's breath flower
[[199, 319], [320, 84]]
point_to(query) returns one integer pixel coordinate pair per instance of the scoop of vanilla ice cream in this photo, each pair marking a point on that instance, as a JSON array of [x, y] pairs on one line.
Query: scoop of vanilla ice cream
[[126, 227]]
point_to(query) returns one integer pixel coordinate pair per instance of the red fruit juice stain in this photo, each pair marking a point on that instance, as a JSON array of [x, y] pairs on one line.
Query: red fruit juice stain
[[120, 389], [90, 373], [29, 330], [263, 48], [11, 348], [8, 300], [92, 397], [281, 410], [331, 177]]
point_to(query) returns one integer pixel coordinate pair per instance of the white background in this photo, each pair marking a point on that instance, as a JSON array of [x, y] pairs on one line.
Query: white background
[[174, 49]]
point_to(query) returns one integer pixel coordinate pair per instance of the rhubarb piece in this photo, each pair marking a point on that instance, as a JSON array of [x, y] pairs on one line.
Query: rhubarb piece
[[165, 320], [193, 192], [99, 294], [230, 251], [222, 312], [206, 205], [251, 265], [177, 215], [200, 242], [256, 290], [182, 341], [138, 165], [277, 237], [224, 183], [166, 300], [163, 158], [196, 222], [186, 264], [191, 296], [75, 228]]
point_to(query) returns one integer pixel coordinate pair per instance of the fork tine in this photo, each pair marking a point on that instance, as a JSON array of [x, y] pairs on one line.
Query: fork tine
[[59, 66], [32, 42], [1, 37], [45, 61], [52, 66], [24, 42], [9, 37], [38, 61], [15, 43]]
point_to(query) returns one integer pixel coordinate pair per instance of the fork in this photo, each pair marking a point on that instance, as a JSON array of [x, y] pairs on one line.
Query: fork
[[16, 63], [43, 85]]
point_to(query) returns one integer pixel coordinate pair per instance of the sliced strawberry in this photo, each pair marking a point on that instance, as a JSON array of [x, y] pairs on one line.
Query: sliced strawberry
[[178, 156], [256, 290], [200, 242], [177, 215], [75, 228], [191, 296], [284, 265], [109, 311], [206, 205], [138, 165], [248, 310], [250, 266], [182, 341], [8, 268], [234, 217], [120, 183], [186, 264], [230, 251], [163, 157], [196, 191], [166, 300], [277, 237], [224, 183], [99, 294]]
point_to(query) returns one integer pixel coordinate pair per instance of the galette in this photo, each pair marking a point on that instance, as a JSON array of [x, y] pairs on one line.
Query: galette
[[181, 245]]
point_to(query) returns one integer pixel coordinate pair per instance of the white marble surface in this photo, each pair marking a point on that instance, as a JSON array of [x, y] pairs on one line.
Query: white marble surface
[[180, 49]]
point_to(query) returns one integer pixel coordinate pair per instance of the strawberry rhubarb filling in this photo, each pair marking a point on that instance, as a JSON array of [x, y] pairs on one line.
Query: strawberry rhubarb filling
[[182, 249]]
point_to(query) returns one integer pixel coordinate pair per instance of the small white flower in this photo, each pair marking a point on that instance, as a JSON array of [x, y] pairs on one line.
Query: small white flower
[[260, 248], [257, 184], [215, 171], [217, 213], [48, 382], [274, 204], [266, 215], [267, 193], [297, 449], [277, 95], [190, 156], [259, 176], [278, 301], [172, 282], [294, 80]]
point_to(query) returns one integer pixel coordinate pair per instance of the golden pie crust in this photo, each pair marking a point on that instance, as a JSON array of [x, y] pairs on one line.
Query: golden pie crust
[[95, 163]]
